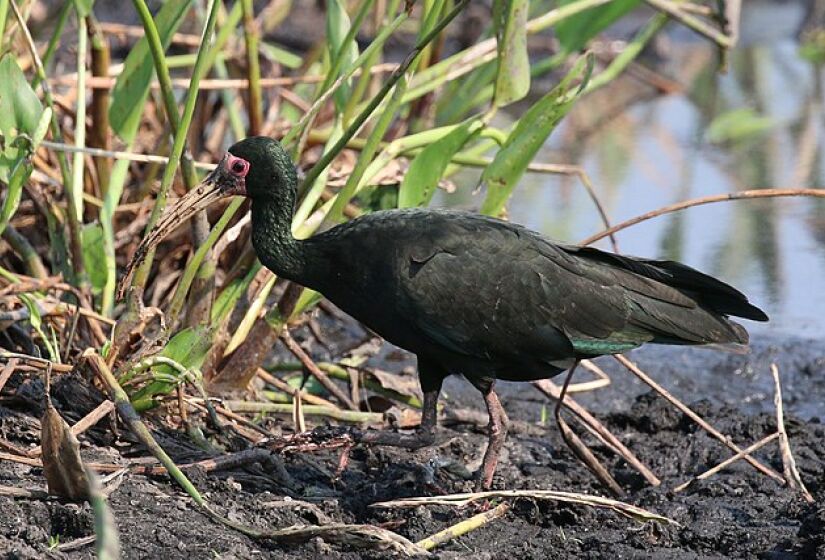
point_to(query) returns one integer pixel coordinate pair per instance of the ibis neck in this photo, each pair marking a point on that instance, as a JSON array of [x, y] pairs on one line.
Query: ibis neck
[[274, 243]]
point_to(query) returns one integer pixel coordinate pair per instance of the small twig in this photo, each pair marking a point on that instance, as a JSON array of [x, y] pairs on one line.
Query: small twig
[[730, 460], [9, 446], [298, 418], [740, 195], [27, 493], [464, 527], [100, 82], [131, 156], [7, 372], [76, 543], [603, 380], [696, 418], [552, 390], [235, 418], [288, 389], [40, 363], [731, 19], [100, 412], [313, 368], [788, 461], [692, 22]]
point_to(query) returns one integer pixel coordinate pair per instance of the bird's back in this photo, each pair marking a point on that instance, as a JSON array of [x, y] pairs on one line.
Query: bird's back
[[485, 297]]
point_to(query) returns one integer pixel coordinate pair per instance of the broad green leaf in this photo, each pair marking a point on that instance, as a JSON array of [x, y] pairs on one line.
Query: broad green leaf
[[20, 109], [42, 128], [19, 175], [20, 119], [34, 311], [23, 123], [338, 25], [574, 32], [513, 76], [530, 132], [94, 255], [230, 295], [188, 348], [281, 55], [427, 168], [132, 86], [738, 124]]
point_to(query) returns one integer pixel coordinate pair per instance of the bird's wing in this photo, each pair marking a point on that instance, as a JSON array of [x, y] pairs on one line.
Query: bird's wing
[[486, 289]]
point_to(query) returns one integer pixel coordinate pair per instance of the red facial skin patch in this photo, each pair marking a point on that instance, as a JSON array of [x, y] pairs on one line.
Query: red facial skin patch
[[239, 167]]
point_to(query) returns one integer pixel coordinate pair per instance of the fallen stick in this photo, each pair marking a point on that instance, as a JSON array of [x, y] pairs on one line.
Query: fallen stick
[[309, 410], [313, 368], [27, 493], [460, 500], [788, 461], [552, 390], [285, 387], [577, 446], [101, 411], [7, 372], [696, 418], [747, 451]]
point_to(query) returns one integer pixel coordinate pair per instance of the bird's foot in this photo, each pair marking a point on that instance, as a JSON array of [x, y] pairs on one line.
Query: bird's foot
[[484, 477]]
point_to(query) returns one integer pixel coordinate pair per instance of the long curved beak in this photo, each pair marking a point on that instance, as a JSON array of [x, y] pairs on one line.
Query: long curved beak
[[199, 198]]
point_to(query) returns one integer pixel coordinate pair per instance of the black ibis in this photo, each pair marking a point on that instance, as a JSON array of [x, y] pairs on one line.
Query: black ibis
[[469, 294]]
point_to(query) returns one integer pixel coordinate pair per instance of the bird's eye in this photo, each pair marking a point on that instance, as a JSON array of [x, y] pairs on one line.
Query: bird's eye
[[238, 167]]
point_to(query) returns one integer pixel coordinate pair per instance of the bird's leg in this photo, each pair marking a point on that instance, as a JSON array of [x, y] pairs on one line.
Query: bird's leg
[[560, 401], [497, 434], [424, 436]]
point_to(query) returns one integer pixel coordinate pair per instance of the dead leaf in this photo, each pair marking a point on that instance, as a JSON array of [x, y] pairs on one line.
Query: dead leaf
[[404, 384], [62, 464]]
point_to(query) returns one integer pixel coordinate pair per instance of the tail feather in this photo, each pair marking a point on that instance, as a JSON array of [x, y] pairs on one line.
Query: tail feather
[[708, 292]]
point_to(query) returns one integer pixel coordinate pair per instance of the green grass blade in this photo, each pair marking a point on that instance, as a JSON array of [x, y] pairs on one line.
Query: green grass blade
[[132, 85], [194, 264], [428, 167], [574, 32], [531, 131], [204, 53], [513, 75], [74, 191]]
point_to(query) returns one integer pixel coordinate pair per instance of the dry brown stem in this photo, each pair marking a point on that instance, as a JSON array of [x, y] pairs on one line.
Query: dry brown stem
[[729, 461], [788, 461], [313, 368], [696, 418], [578, 447], [740, 195], [553, 391]]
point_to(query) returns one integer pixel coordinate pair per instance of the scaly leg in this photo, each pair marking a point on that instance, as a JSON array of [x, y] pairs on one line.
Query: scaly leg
[[497, 434]]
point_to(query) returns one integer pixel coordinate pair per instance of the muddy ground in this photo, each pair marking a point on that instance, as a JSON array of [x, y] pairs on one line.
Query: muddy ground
[[738, 513]]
